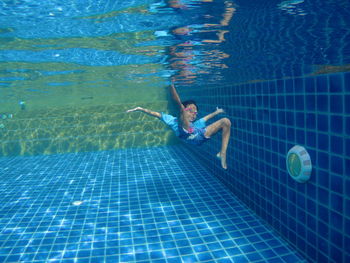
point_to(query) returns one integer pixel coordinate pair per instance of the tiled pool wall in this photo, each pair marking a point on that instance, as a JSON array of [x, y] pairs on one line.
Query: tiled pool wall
[[268, 118]]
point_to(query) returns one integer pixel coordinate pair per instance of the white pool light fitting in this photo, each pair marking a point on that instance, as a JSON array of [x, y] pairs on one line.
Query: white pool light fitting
[[299, 164]]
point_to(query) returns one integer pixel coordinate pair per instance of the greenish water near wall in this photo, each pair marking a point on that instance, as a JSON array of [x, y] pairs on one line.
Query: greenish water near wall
[[76, 107], [58, 85], [82, 110], [83, 128]]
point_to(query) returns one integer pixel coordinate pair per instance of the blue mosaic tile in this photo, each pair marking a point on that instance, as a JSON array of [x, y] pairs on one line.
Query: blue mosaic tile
[[322, 103], [322, 84], [309, 111], [309, 84], [336, 103], [336, 83], [134, 205]]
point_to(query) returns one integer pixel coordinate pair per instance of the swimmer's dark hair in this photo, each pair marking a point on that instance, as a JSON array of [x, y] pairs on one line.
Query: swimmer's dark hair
[[188, 102]]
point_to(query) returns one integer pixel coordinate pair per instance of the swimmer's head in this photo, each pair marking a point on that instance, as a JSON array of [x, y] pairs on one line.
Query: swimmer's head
[[189, 102], [192, 108]]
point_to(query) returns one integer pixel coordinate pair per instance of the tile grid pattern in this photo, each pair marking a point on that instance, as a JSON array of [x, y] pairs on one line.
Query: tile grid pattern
[[133, 205], [268, 119]]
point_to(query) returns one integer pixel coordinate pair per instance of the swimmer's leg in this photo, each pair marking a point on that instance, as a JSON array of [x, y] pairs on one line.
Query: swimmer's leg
[[223, 124]]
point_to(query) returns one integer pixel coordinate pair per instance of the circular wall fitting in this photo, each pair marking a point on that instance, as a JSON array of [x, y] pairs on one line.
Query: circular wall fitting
[[299, 164]]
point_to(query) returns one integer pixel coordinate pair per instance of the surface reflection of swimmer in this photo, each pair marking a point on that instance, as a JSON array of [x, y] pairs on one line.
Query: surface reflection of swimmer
[[185, 4], [189, 61], [186, 62], [186, 57], [208, 27], [190, 130]]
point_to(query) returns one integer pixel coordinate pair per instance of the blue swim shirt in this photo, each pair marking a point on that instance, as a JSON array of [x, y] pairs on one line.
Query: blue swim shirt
[[198, 125]]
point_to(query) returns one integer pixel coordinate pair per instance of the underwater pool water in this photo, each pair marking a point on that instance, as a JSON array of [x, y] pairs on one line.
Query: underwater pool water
[[132, 205], [81, 180]]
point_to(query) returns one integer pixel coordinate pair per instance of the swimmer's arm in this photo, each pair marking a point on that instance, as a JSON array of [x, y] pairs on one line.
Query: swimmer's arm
[[147, 111], [213, 114], [184, 115], [176, 97]]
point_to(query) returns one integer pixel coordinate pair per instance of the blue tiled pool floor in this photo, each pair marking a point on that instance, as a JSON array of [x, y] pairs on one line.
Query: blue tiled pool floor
[[133, 205]]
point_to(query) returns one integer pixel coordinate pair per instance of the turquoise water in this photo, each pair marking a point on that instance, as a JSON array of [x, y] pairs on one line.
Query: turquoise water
[[133, 205], [57, 54], [68, 72], [63, 63]]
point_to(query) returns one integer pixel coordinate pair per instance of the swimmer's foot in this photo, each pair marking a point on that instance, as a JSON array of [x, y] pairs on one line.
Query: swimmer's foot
[[222, 158]]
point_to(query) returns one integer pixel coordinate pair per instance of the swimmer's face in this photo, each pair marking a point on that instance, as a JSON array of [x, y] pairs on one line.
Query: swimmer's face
[[191, 109]]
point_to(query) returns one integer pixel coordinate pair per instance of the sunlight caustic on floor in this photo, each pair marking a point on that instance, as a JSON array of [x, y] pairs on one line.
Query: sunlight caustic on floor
[[131, 205]]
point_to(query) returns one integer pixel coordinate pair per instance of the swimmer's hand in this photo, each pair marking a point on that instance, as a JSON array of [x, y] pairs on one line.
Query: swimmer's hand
[[213, 114], [218, 110], [135, 109]]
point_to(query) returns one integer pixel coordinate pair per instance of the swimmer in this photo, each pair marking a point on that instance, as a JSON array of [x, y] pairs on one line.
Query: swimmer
[[193, 131]]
